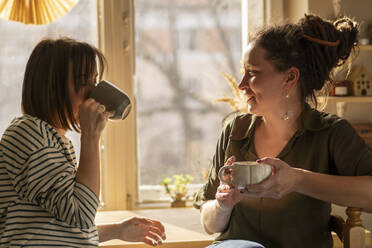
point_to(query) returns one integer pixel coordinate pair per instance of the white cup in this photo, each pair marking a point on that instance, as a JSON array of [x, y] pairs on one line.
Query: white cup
[[241, 174]]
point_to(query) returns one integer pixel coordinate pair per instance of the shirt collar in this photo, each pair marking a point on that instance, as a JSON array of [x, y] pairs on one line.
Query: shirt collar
[[311, 119]]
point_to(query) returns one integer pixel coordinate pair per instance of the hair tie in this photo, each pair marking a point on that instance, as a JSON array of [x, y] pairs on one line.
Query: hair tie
[[322, 42]]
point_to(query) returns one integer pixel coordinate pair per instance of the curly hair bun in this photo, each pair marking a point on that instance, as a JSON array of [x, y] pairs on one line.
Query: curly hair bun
[[344, 31], [348, 32]]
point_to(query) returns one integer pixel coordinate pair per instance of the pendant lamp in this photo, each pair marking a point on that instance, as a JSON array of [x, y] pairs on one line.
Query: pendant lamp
[[36, 12]]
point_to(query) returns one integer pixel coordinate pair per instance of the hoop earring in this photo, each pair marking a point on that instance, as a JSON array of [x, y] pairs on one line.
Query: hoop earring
[[288, 113]]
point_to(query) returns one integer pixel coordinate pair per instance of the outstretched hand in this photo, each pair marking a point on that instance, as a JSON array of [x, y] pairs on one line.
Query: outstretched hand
[[136, 229], [283, 180]]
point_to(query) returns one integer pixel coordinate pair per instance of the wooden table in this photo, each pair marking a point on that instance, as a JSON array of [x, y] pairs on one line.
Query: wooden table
[[182, 227]]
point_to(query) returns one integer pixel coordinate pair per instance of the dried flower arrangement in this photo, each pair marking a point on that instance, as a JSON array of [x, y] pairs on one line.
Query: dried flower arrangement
[[238, 102]]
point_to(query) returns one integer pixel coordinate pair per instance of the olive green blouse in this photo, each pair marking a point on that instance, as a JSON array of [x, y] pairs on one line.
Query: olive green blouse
[[325, 144]]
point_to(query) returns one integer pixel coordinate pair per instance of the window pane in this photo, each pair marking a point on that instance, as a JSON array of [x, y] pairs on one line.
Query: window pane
[[16, 44], [181, 49]]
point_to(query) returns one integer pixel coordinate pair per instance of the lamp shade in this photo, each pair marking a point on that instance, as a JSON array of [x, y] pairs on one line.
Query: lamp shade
[[36, 12]]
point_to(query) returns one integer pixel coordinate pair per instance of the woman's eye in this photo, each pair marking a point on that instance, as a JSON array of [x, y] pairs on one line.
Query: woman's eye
[[251, 73]]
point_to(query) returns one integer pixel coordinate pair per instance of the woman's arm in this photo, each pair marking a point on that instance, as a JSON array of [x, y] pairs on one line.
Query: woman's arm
[[354, 191], [93, 119], [214, 219], [215, 214], [133, 229]]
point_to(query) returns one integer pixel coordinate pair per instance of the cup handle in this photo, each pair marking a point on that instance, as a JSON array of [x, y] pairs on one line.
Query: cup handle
[[222, 169]]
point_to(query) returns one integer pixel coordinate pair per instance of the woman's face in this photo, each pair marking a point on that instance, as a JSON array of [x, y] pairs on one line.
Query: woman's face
[[82, 95], [262, 84]]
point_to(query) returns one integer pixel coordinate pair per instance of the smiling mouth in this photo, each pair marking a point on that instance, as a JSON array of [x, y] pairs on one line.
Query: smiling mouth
[[250, 98]]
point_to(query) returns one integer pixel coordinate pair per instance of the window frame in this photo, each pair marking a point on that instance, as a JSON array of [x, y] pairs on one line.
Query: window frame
[[119, 170], [119, 163]]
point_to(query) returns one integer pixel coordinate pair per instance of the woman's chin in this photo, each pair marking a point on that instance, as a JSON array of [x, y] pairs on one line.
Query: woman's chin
[[252, 108]]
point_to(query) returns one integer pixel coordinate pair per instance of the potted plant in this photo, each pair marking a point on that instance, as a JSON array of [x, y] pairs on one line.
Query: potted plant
[[176, 188]]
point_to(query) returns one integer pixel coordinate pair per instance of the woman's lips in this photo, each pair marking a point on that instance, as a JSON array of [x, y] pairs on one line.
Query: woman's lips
[[249, 98]]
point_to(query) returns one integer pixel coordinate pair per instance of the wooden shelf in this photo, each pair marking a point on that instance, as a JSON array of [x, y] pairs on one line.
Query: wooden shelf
[[365, 47], [333, 99]]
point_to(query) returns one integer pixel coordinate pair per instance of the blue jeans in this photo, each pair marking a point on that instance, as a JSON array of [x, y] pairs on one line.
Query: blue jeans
[[236, 243]]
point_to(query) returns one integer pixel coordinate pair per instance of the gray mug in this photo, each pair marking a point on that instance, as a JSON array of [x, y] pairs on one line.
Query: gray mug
[[117, 103], [241, 174]]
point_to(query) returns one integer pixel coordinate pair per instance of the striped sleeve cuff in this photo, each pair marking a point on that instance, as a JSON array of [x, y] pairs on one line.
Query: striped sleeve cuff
[[89, 203]]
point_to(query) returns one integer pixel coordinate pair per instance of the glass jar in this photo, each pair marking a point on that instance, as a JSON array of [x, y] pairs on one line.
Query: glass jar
[[342, 88]]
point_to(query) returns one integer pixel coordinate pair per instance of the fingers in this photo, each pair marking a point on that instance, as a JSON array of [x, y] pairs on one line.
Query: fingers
[[156, 227], [224, 188], [101, 108], [230, 161], [94, 106], [282, 181], [93, 116], [274, 162], [149, 241], [154, 231]]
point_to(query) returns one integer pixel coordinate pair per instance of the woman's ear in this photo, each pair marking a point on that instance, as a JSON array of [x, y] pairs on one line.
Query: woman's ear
[[292, 77]]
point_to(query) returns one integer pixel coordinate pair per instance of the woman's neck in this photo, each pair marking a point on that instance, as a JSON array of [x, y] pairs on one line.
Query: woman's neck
[[60, 131], [273, 125]]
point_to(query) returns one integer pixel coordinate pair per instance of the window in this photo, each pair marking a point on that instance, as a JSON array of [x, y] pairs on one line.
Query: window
[[181, 49], [17, 42], [173, 109]]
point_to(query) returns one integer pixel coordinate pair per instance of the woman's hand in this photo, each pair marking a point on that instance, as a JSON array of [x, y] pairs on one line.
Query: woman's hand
[[92, 117], [136, 229], [283, 180], [227, 196]]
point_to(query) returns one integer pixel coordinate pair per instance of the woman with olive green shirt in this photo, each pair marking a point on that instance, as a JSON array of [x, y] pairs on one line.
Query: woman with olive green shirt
[[317, 158], [324, 144]]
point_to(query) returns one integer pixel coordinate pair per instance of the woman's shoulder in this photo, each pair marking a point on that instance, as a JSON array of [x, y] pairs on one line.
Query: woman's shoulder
[[31, 130], [315, 120], [240, 125]]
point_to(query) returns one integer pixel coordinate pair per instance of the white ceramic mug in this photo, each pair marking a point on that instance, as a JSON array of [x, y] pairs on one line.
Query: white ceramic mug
[[241, 174]]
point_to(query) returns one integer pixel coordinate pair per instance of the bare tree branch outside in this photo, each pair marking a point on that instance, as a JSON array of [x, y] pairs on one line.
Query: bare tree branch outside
[[181, 48]]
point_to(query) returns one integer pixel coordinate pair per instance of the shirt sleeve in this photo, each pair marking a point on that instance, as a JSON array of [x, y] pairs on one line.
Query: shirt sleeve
[[208, 190], [350, 153], [47, 179]]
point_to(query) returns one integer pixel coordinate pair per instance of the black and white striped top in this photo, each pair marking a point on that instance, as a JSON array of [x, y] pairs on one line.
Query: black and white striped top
[[41, 204]]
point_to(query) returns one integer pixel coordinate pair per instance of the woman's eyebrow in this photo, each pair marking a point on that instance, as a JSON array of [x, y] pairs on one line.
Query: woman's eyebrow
[[249, 66]]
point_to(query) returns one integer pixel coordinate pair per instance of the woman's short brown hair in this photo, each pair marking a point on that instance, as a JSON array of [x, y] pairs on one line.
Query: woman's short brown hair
[[45, 91]]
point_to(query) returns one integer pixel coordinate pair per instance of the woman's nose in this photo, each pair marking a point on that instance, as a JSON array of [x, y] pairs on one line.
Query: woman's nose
[[243, 83]]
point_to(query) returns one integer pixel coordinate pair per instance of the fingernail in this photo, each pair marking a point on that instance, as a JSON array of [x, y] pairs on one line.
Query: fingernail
[[258, 160]]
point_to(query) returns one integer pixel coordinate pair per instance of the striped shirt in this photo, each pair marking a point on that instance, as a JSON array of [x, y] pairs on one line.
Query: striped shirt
[[41, 204]]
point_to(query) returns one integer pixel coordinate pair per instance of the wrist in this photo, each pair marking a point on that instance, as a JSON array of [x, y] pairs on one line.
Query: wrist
[[116, 228], [108, 231], [89, 137], [222, 209], [299, 177]]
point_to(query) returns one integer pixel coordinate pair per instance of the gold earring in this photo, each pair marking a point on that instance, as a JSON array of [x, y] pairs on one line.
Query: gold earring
[[286, 115]]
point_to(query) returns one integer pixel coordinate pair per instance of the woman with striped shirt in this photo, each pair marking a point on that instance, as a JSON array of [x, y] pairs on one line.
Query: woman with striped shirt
[[46, 199]]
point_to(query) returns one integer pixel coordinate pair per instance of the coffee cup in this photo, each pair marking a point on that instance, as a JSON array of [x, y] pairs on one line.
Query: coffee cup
[[241, 174], [116, 102]]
